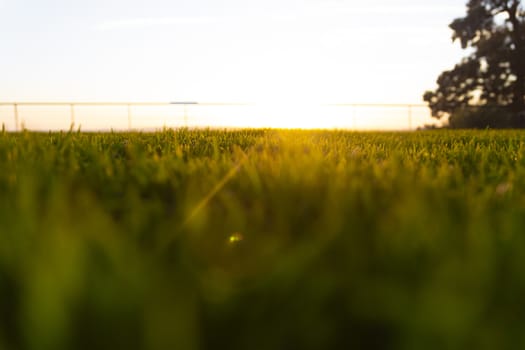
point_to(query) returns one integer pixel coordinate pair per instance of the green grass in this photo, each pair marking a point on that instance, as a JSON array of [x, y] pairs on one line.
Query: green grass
[[262, 239]]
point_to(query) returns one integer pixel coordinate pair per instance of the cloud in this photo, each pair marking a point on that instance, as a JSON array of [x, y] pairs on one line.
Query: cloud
[[334, 9], [140, 23], [148, 22], [339, 9]]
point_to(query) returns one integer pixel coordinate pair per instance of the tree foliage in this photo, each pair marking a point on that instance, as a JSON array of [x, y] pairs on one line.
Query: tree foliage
[[493, 74]]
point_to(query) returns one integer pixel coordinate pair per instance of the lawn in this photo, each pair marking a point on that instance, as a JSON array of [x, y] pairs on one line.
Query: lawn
[[262, 239]]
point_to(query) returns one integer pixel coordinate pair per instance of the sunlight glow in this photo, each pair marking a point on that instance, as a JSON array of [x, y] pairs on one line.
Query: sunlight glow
[[235, 238], [287, 58]]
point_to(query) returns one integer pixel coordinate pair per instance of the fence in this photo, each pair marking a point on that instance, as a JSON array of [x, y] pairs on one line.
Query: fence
[[413, 112], [151, 115]]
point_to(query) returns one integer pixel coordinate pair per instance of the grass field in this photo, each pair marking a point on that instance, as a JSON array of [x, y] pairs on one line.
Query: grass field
[[262, 239]]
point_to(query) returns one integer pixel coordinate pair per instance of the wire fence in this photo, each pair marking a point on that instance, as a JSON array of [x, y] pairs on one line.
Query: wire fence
[[105, 116]]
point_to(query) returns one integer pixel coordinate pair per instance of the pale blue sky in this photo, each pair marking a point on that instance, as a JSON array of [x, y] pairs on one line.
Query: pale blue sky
[[225, 50]]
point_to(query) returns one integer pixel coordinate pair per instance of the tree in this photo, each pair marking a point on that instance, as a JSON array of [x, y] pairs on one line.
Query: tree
[[493, 75]]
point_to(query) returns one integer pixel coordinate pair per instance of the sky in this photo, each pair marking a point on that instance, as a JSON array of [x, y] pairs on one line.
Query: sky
[[257, 51]]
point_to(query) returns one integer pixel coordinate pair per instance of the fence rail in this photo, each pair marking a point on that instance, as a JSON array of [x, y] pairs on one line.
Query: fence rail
[[129, 106], [409, 106]]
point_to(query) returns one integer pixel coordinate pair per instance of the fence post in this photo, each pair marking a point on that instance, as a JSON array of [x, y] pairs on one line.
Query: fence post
[[185, 115], [354, 125], [16, 116], [129, 117], [72, 106], [409, 117]]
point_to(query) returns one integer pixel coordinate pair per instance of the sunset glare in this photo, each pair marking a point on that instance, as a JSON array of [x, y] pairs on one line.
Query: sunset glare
[[288, 57]]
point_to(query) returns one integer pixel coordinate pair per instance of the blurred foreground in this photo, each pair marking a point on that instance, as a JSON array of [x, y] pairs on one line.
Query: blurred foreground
[[262, 240]]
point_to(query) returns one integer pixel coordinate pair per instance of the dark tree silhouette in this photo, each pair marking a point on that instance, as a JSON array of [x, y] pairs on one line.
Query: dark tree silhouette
[[493, 75]]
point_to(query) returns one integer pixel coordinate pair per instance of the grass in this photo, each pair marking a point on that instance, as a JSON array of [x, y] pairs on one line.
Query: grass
[[262, 239]]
